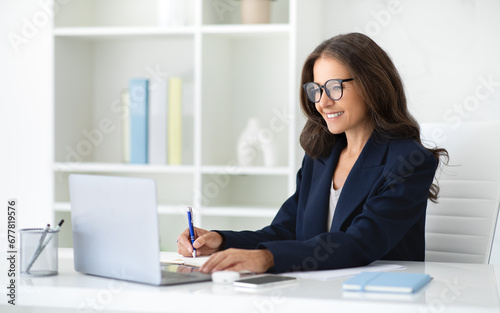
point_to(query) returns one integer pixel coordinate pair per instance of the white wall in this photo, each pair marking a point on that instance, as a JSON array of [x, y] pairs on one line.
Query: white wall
[[25, 112], [447, 51]]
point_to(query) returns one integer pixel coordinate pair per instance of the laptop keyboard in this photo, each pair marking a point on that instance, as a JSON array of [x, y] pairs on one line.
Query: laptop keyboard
[[169, 277]]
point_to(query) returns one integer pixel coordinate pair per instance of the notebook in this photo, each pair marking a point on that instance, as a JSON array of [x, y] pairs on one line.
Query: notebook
[[116, 232], [387, 282], [189, 261]]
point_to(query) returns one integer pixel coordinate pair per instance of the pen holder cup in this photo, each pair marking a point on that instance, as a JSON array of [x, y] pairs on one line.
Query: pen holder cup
[[38, 252]]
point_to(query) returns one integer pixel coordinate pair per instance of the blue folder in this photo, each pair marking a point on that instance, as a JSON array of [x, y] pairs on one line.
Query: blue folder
[[387, 282]]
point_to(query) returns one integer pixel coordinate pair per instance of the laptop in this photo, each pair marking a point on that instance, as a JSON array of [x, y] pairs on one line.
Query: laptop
[[116, 232]]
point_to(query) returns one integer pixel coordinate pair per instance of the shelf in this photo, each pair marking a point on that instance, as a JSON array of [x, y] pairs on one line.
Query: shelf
[[206, 211], [248, 29], [62, 207], [152, 168], [121, 168], [121, 32], [237, 170], [162, 209], [231, 72], [132, 31], [239, 211]]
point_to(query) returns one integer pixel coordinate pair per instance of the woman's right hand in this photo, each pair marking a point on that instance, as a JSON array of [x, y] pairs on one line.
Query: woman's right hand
[[206, 243]]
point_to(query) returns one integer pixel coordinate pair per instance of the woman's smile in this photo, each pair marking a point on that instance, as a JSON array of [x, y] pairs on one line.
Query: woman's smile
[[332, 116]]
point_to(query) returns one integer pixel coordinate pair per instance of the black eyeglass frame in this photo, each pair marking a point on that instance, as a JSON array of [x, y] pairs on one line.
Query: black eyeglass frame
[[321, 88]]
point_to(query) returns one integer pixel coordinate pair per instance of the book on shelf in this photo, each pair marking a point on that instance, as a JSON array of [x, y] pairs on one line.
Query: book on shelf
[[158, 105], [138, 90], [152, 133], [175, 121], [125, 103]]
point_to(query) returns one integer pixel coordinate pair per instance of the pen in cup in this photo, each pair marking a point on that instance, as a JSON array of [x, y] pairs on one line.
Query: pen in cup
[[191, 228], [42, 245], [52, 234], [38, 248]]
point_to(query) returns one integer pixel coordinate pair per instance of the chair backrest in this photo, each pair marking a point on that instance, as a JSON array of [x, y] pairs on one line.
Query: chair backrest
[[461, 226]]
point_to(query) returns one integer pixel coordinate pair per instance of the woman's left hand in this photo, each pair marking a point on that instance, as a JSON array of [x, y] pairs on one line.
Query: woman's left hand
[[256, 261]]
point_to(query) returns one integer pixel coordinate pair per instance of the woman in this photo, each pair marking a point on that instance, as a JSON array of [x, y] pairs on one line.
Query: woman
[[363, 186]]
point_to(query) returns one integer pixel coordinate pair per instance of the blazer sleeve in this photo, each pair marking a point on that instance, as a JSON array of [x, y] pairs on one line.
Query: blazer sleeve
[[283, 226], [397, 200]]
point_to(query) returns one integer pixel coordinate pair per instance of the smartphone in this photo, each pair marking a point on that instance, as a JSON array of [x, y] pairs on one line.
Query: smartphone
[[264, 281]]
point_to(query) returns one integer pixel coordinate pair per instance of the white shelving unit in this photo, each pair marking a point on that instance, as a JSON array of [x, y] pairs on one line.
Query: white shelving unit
[[230, 72]]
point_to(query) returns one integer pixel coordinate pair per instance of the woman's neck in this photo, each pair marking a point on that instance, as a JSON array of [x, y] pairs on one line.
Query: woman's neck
[[356, 140]]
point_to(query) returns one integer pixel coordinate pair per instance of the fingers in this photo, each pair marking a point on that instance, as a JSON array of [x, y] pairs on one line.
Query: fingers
[[184, 244], [206, 243], [203, 240], [203, 243], [257, 261], [200, 241], [224, 260], [213, 264]]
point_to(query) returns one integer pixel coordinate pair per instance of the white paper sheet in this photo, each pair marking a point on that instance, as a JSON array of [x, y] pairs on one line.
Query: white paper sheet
[[325, 275]]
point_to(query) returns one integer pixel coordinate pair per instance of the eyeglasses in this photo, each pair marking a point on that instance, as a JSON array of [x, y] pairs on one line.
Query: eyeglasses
[[333, 88]]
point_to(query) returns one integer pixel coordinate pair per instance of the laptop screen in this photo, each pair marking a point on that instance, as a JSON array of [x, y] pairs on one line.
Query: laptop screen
[[115, 227]]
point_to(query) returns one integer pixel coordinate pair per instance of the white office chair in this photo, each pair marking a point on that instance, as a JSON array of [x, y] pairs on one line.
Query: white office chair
[[461, 226]]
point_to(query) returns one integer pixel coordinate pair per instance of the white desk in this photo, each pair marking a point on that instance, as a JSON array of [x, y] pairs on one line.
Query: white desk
[[455, 288]]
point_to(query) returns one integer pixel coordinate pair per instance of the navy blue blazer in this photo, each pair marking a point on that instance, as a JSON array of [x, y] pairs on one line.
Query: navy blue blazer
[[380, 213]]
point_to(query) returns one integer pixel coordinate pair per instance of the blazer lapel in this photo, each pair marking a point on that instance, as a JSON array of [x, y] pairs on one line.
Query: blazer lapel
[[316, 212], [360, 180]]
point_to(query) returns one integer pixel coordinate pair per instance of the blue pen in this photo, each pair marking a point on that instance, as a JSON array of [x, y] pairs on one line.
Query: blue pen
[[191, 228]]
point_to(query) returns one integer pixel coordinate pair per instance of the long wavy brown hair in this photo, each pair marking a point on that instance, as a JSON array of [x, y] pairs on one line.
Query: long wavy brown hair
[[379, 84]]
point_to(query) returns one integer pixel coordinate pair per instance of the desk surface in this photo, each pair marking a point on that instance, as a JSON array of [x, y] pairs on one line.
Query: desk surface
[[454, 288]]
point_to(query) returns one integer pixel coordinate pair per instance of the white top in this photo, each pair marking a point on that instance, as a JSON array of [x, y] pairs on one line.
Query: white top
[[334, 198]]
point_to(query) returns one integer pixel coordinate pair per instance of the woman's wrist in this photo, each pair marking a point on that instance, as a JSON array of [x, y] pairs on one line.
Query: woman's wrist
[[222, 245], [269, 258]]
